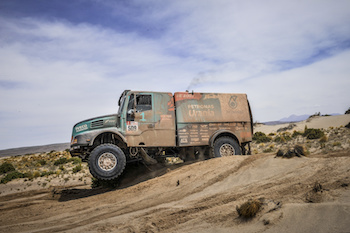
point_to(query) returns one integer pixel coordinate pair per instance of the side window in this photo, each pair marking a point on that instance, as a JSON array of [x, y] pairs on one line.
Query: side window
[[143, 103], [130, 116]]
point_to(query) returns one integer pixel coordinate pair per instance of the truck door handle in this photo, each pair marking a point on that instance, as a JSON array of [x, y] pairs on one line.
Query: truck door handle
[[151, 126]]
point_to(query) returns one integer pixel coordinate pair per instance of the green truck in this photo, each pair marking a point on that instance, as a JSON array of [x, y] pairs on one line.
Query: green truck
[[151, 125]]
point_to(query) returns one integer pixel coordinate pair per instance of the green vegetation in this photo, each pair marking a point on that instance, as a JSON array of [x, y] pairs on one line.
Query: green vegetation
[[261, 137], [47, 173], [77, 168], [42, 162], [348, 125], [64, 160], [60, 161], [6, 167], [313, 133], [75, 160], [283, 137], [296, 134], [11, 176], [32, 166], [269, 149], [347, 111]]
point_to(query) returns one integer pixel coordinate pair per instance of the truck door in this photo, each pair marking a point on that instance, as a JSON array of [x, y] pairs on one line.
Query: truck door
[[147, 126]]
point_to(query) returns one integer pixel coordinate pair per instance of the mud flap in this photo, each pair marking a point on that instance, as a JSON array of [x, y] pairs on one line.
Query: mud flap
[[148, 160]]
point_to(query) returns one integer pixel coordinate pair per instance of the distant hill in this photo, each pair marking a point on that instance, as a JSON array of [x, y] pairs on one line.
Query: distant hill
[[34, 149], [294, 118]]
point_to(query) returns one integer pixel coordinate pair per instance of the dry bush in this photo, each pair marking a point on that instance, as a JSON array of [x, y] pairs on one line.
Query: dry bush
[[249, 209], [289, 153], [324, 139]]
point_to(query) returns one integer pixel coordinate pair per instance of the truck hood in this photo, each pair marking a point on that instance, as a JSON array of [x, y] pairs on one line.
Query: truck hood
[[95, 123]]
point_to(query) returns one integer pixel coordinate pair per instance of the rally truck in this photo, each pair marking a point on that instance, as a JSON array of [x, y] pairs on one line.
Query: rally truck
[[151, 125]]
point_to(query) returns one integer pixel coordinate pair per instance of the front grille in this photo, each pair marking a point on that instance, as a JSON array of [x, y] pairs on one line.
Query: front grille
[[96, 124]]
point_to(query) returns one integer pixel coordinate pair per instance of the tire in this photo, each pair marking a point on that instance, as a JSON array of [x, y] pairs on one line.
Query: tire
[[226, 146], [107, 162]]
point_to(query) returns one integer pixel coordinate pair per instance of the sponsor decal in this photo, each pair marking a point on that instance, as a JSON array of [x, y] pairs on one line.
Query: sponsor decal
[[166, 117], [201, 110], [232, 102], [183, 140], [200, 106], [110, 121], [81, 128], [187, 96], [132, 126]]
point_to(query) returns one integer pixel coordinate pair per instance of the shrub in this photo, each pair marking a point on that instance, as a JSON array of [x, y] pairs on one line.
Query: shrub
[[348, 125], [300, 150], [336, 144], [77, 168], [323, 139], [42, 162], [36, 174], [46, 173], [11, 176], [249, 209], [289, 153], [6, 167], [296, 133], [60, 161], [315, 115], [313, 133], [347, 111], [260, 137], [29, 175], [279, 139], [284, 137], [268, 150], [75, 160]]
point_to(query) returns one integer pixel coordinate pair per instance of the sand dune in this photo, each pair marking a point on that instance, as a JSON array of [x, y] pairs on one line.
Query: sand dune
[[318, 122]]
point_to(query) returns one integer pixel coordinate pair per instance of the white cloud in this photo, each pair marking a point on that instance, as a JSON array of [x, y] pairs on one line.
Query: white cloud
[[286, 55], [318, 87]]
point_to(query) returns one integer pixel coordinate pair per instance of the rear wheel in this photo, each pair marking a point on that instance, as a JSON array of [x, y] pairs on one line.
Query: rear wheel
[[107, 162], [225, 146]]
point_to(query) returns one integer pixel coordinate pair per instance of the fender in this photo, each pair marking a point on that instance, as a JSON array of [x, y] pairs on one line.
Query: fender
[[88, 138], [110, 130], [223, 132]]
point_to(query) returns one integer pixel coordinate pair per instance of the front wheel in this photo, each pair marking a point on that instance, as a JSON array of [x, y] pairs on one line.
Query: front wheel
[[107, 162], [226, 146]]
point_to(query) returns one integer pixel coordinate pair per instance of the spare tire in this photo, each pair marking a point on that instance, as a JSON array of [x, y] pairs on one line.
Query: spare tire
[[107, 162], [226, 146]]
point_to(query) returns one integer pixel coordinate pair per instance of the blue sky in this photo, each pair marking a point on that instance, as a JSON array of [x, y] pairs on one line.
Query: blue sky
[[65, 61]]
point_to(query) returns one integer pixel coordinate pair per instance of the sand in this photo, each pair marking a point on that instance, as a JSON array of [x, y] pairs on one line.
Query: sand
[[317, 122], [198, 197]]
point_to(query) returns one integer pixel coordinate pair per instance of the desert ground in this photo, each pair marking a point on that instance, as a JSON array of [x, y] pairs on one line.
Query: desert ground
[[300, 194]]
